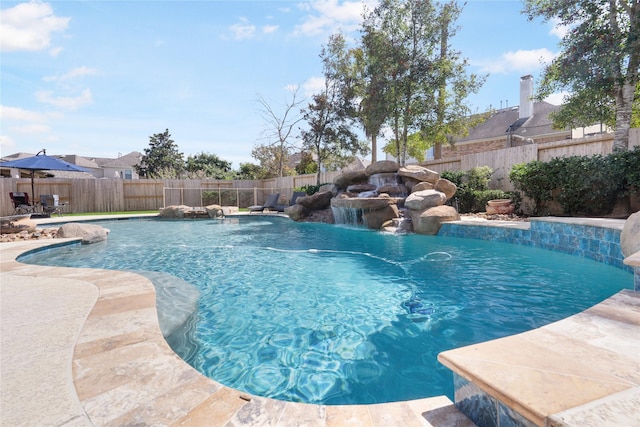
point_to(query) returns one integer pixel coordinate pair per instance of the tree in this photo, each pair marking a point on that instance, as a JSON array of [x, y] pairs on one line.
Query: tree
[[370, 88], [329, 116], [251, 171], [452, 118], [598, 61], [280, 127], [307, 165], [421, 80], [273, 160], [208, 165], [161, 159]]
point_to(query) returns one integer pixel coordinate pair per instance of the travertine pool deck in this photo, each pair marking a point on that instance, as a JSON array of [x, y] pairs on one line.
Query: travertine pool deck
[[83, 347]]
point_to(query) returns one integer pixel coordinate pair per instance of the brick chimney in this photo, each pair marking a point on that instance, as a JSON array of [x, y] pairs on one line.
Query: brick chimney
[[526, 97]]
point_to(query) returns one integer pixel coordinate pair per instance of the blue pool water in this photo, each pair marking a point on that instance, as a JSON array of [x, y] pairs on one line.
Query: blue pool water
[[326, 314]]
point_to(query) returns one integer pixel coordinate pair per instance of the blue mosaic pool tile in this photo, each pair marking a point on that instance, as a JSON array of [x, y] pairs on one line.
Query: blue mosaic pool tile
[[510, 418], [597, 243], [477, 405]]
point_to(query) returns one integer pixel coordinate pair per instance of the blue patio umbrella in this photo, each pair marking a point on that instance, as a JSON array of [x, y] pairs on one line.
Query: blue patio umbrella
[[41, 162]]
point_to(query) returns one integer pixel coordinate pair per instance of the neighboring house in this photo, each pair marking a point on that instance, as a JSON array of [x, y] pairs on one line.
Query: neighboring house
[[526, 123], [122, 167]]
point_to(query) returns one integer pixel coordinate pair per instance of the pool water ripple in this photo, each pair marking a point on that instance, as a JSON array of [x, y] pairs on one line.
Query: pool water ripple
[[325, 314]]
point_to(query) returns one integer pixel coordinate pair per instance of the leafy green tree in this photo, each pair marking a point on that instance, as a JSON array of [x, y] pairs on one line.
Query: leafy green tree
[[162, 158], [419, 77], [280, 127], [251, 171], [452, 118], [307, 165], [598, 61], [273, 160], [208, 165], [329, 116], [370, 90]]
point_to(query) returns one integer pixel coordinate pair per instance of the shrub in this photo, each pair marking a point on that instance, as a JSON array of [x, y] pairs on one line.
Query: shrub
[[310, 189], [534, 180], [473, 189], [582, 185]]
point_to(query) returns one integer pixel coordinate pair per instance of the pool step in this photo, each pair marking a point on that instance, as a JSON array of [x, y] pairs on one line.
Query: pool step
[[231, 408], [581, 371]]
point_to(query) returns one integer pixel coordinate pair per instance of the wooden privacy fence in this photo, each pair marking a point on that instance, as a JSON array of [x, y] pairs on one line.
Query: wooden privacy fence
[[501, 161], [115, 195]]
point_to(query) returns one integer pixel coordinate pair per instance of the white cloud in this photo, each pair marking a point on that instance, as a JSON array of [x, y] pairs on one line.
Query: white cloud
[[32, 128], [65, 102], [243, 30], [28, 26], [557, 98], [55, 51], [328, 16], [523, 61], [558, 29], [75, 73], [7, 145], [312, 86], [268, 29], [15, 113]]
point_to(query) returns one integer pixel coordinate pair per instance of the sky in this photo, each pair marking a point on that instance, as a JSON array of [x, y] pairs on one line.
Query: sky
[[98, 78]]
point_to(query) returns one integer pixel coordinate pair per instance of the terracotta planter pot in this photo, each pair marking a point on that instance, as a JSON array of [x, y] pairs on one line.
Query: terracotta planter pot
[[499, 206]]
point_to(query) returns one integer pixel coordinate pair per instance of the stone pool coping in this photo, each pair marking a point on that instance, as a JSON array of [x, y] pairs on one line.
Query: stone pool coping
[[94, 355]]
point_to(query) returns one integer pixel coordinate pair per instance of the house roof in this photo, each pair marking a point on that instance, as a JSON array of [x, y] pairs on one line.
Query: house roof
[[126, 161], [16, 156], [499, 123], [81, 161]]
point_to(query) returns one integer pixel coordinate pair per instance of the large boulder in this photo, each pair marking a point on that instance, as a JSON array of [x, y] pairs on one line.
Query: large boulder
[[296, 212], [445, 186], [410, 183], [374, 219], [344, 180], [214, 211], [316, 202], [630, 235], [360, 188], [430, 221], [364, 203], [425, 199], [419, 173], [174, 212], [89, 233], [394, 190], [383, 166], [421, 186]]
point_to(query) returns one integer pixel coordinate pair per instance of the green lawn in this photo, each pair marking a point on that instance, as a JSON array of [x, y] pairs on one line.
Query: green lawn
[[111, 213]]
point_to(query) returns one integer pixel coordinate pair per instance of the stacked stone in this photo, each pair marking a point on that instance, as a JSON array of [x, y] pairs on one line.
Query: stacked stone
[[380, 206]]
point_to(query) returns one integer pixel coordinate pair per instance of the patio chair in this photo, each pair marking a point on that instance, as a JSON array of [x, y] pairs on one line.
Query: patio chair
[[21, 204], [294, 197], [51, 204], [269, 204]]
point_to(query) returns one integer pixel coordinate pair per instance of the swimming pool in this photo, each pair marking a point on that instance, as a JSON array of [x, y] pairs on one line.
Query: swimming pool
[[325, 314]]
